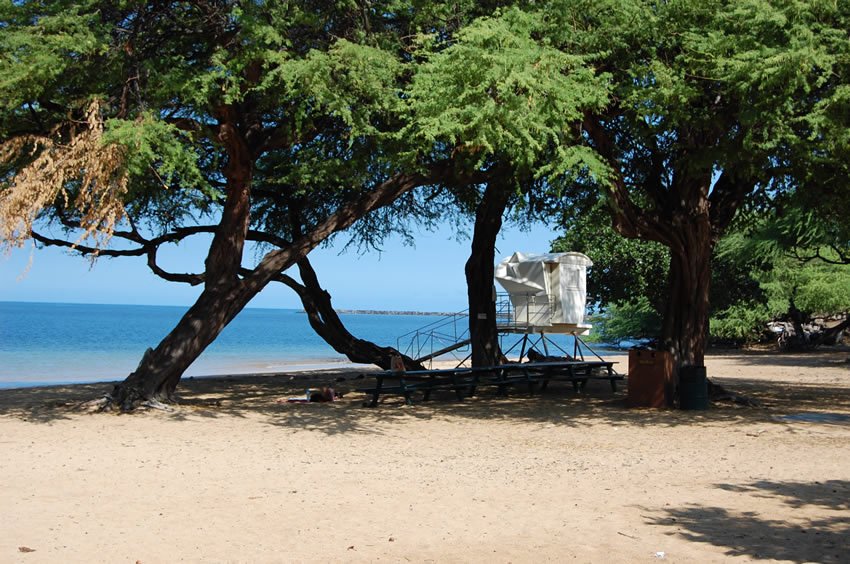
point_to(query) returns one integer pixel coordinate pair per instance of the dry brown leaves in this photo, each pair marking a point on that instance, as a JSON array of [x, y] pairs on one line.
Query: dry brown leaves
[[95, 169]]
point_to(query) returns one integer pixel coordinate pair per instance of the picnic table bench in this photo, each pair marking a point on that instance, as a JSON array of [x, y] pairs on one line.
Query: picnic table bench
[[405, 383], [578, 372], [465, 381]]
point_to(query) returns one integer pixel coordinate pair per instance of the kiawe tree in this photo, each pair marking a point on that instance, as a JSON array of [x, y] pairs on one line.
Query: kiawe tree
[[494, 98], [712, 103], [136, 125]]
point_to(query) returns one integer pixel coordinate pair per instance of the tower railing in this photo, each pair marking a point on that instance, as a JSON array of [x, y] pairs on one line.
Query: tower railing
[[448, 336]]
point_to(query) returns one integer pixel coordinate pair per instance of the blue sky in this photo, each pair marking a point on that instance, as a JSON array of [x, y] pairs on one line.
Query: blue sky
[[427, 277]]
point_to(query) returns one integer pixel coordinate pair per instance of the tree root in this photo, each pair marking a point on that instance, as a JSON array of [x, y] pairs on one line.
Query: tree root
[[110, 402], [158, 405], [99, 405], [717, 393]]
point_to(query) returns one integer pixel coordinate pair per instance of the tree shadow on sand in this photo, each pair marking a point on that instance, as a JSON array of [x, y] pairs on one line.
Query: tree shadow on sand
[[824, 539], [264, 397], [818, 358]]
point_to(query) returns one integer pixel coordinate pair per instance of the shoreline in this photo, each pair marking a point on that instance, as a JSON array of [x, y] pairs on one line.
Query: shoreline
[[214, 368], [246, 370], [263, 368]]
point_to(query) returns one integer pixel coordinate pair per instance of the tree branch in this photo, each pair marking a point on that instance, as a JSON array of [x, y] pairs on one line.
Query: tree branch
[[724, 200], [150, 250], [629, 219], [185, 278], [85, 250], [385, 193]]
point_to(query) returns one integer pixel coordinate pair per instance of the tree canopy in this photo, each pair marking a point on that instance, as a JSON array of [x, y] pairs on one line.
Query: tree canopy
[[132, 125], [279, 123], [713, 104]]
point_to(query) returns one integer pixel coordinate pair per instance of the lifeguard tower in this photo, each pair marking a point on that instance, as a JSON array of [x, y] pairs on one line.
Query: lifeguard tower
[[547, 292], [545, 295]]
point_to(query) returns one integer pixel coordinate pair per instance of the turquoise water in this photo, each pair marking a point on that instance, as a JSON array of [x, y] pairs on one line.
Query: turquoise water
[[53, 343]]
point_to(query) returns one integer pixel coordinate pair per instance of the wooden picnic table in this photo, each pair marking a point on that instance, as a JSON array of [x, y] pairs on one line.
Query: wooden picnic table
[[465, 381], [406, 382], [532, 373]]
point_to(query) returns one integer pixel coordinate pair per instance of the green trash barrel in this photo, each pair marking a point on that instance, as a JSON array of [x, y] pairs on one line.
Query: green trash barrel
[[693, 388]]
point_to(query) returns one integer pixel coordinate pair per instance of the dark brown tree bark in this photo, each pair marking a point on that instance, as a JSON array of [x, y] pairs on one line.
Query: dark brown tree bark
[[223, 296], [225, 293], [685, 327], [327, 324], [483, 332], [159, 372], [687, 214]]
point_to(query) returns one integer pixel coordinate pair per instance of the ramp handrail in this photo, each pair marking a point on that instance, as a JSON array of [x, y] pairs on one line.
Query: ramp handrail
[[441, 336]]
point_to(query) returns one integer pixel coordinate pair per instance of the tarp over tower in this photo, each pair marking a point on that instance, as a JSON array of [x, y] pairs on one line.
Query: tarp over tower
[[548, 291]]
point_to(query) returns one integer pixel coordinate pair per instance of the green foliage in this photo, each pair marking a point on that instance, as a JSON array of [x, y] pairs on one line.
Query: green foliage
[[154, 145], [624, 270], [315, 89], [796, 229], [496, 91], [629, 320], [814, 287], [40, 52], [353, 82], [713, 104], [333, 97], [741, 323]]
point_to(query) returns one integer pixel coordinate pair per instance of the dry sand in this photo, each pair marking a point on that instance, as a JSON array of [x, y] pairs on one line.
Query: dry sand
[[234, 476]]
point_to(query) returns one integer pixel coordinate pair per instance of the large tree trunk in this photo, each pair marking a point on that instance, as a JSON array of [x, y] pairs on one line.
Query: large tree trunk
[[685, 327], [160, 370], [327, 324], [483, 333], [225, 294], [684, 207]]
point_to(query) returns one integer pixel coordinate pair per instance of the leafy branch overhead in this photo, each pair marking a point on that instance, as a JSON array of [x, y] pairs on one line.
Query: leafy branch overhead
[[83, 173], [494, 91]]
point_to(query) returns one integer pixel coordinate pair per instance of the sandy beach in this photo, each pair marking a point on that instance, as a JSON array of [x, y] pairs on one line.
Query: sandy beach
[[235, 475]]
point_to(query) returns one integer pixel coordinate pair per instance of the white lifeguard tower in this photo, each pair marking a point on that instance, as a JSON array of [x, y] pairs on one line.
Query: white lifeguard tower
[[546, 295], [547, 292]]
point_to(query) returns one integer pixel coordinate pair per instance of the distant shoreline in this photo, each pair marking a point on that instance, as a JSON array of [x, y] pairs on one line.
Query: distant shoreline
[[391, 312]]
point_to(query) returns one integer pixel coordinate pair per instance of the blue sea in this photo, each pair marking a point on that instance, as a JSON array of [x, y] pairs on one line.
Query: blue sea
[[56, 343]]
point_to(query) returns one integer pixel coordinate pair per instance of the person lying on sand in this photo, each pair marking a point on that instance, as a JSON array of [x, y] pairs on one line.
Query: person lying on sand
[[322, 395], [534, 356], [315, 395]]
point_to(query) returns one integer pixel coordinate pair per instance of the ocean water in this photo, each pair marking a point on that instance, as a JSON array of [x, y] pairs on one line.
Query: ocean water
[[55, 343]]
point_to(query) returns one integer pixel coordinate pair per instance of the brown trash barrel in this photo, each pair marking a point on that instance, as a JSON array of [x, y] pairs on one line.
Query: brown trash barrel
[[651, 382]]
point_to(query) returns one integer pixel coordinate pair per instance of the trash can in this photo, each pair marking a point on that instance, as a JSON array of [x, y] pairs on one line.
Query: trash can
[[693, 388], [650, 379]]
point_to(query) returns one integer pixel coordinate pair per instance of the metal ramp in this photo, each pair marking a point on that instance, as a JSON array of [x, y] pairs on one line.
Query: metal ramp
[[448, 337]]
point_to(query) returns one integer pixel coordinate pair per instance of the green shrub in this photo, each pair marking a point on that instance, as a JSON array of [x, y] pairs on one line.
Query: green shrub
[[624, 320], [743, 322]]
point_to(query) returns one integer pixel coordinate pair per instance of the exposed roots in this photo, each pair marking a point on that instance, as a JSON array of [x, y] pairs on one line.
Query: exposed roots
[[98, 405], [717, 393], [158, 405]]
